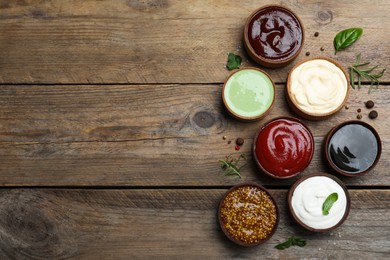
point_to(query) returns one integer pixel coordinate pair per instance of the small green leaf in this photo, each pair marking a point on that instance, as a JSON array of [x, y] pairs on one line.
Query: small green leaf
[[328, 203], [299, 242], [284, 245], [346, 38], [234, 61], [292, 241]]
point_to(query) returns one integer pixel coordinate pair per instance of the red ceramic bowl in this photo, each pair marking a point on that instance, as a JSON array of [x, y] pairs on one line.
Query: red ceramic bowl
[[248, 214], [283, 147]]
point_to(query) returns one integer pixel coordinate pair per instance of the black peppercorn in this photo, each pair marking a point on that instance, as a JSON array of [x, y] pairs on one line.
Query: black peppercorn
[[239, 141], [370, 104], [316, 34], [373, 114]]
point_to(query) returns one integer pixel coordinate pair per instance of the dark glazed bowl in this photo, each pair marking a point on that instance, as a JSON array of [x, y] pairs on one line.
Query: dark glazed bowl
[[272, 174], [330, 161], [296, 218], [266, 61], [222, 224], [315, 116]]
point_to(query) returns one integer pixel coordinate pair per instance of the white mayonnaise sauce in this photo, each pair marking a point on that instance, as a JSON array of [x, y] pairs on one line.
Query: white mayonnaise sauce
[[318, 86]]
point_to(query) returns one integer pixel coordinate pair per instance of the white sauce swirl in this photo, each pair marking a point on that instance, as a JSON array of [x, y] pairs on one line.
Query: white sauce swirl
[[318, 86], [308, 198]]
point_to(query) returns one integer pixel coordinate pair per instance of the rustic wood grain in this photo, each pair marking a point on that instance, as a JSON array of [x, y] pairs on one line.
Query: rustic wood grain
[[163, 41], [123, 224], [147, 135], [127, 95]]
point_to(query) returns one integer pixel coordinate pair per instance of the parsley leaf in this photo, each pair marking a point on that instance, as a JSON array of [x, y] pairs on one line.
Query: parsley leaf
[[234, 61]]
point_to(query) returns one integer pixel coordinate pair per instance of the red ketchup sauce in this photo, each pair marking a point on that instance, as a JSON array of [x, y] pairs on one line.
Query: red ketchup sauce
[[284, 147], [275, 33]]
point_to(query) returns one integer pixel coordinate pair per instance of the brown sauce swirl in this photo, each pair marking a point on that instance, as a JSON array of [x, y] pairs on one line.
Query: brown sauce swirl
[[275, 33]]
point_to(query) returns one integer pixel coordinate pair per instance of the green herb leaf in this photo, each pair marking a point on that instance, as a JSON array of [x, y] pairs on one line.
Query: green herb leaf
[[234, 61], [328, 203], [284, 245], [292, 241], [364, 73], [346, 38], [299, 242], [230, 167]]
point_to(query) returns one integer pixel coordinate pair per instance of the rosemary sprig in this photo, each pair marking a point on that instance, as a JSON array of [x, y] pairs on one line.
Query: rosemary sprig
[[230, 165], [364, 73]]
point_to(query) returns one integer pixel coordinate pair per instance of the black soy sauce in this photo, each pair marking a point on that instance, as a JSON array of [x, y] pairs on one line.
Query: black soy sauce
[[353, 148]]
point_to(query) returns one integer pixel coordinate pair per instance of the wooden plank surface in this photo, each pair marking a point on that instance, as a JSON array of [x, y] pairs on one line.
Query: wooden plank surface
[[147, 135], [164, 41], [105, 224], [111, 126]]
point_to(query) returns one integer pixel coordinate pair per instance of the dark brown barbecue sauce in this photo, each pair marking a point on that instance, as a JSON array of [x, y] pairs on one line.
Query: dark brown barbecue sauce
[[275, 33]]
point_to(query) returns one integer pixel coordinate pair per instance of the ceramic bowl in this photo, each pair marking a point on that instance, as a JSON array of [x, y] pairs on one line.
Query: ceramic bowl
[[270, 45], [283, 147], [352, 148], [317, 88], [248, 94], [248, 214], [310, 192]]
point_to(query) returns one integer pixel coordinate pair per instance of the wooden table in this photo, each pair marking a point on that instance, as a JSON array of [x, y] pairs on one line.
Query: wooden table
[[111, 126]]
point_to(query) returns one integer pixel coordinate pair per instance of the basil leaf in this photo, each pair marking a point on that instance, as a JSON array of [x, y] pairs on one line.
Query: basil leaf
[[234, 61], [299, 242], [328, 203], [346, 38], [284, 245], [292, 241]]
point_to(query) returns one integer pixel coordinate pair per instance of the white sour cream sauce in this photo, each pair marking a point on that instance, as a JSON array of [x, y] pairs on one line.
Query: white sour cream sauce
[[318, 86], [308, 198]]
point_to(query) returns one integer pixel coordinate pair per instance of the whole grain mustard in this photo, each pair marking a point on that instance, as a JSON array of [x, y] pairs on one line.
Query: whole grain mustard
[[248, 214]]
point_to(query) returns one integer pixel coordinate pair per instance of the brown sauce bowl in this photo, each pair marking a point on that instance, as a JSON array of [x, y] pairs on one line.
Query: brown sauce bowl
[[250, 207], [271, 46]]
